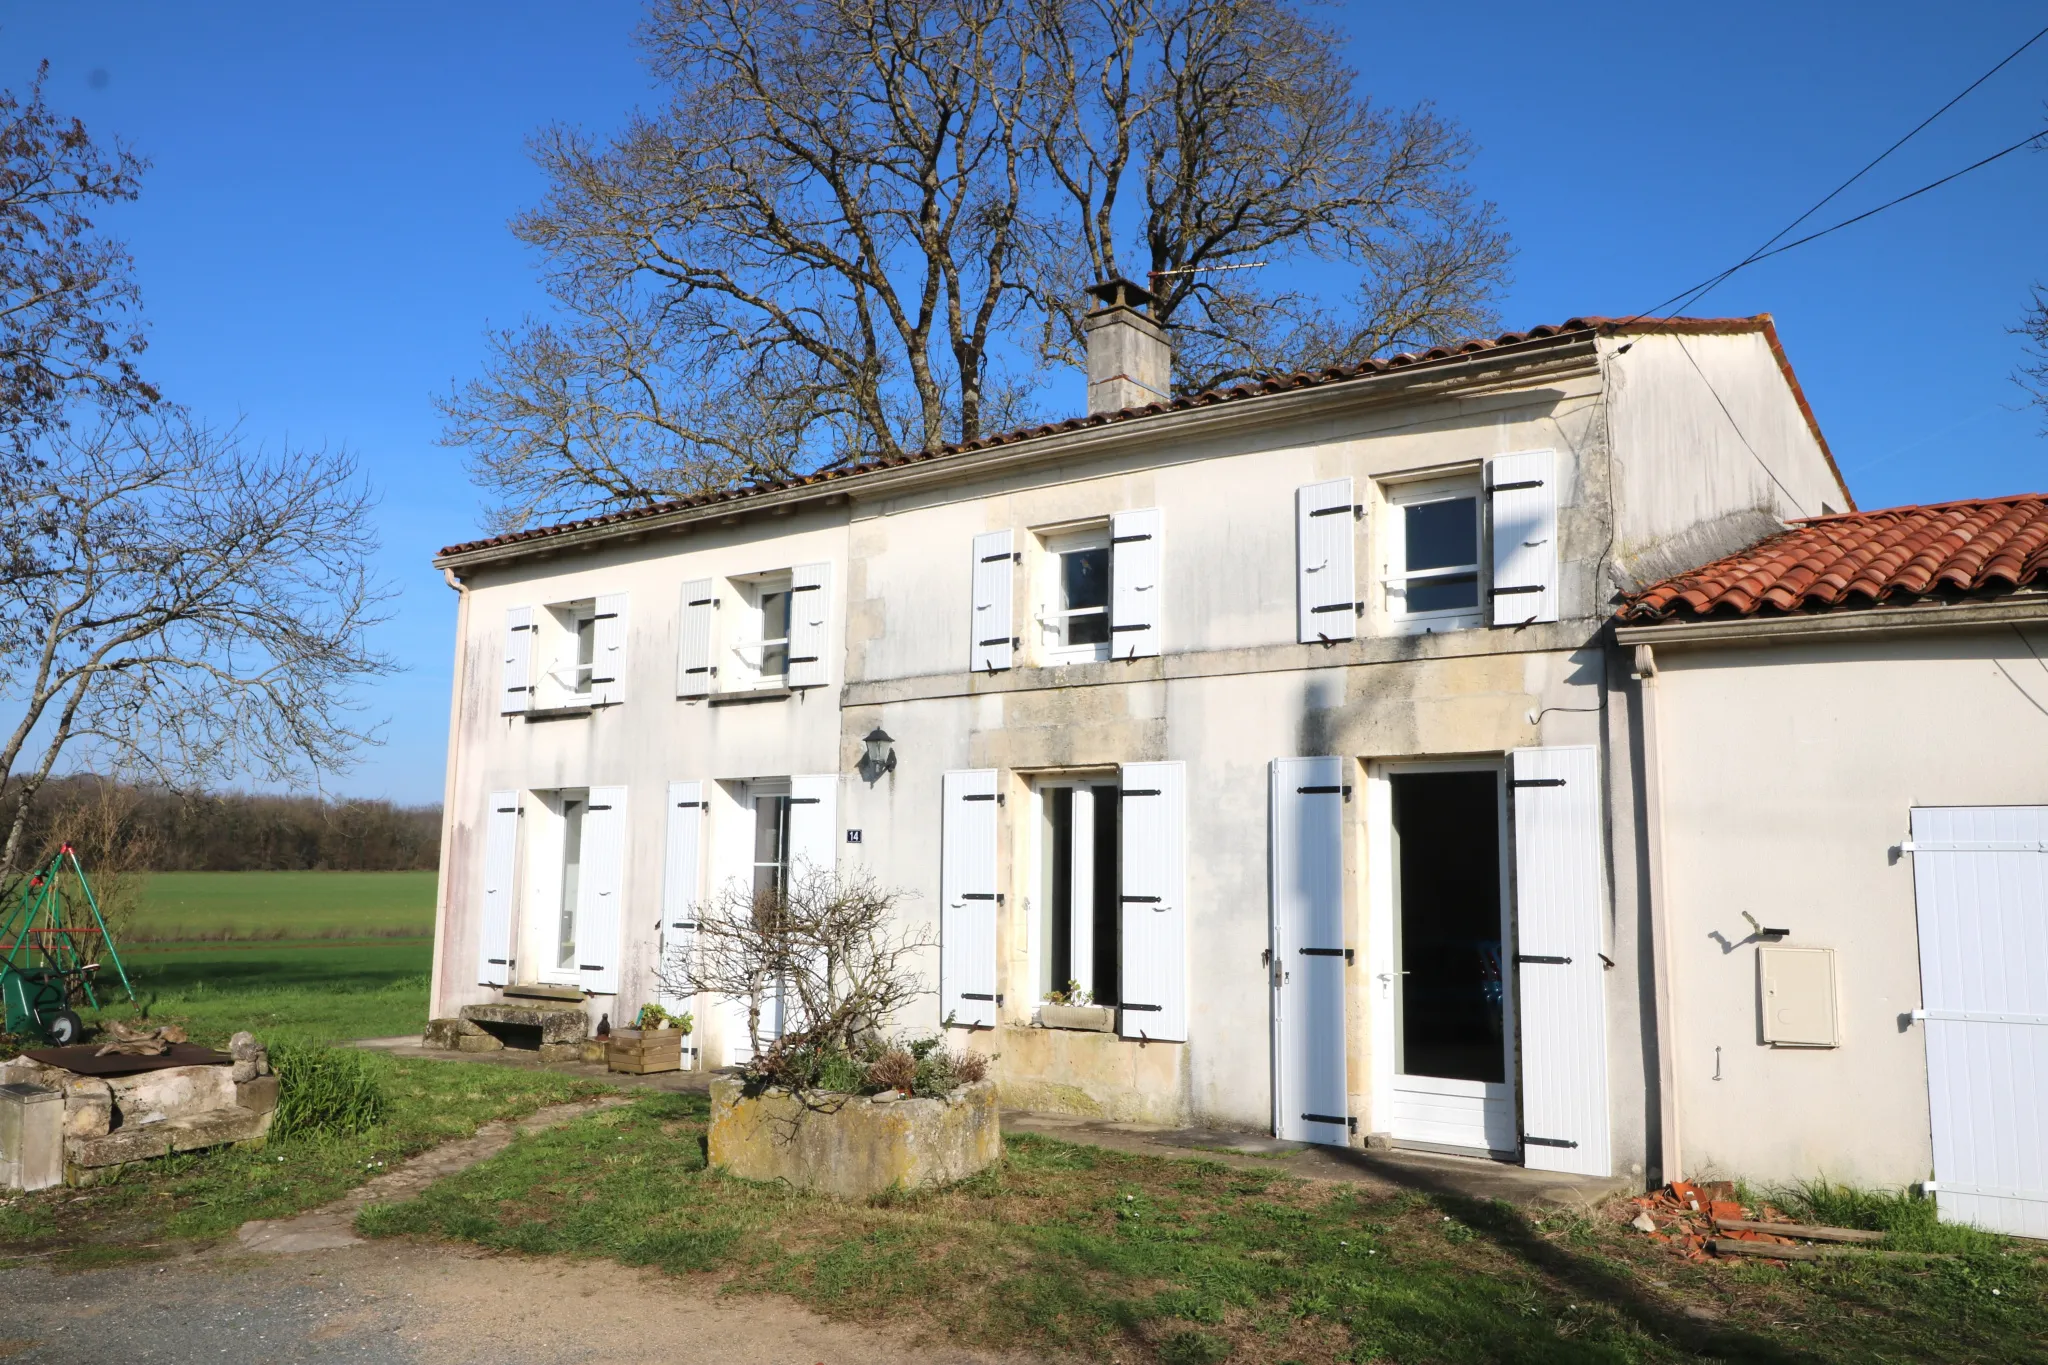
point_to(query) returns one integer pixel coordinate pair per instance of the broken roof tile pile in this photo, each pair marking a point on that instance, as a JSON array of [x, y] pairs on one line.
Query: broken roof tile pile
[[1859, 559]]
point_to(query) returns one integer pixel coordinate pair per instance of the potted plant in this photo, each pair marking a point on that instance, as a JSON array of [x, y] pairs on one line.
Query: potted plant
[[836, 1104], [1075, 1008], [654, 1043]]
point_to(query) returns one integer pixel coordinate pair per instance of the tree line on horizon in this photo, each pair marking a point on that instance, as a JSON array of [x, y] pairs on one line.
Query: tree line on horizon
[[119, 828]]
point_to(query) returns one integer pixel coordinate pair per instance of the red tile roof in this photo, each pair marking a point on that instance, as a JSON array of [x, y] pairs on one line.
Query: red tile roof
[[1857, 559], [1572, 329]]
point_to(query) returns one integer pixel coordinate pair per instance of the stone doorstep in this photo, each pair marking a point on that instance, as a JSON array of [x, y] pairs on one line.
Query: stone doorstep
[[558, 1023], [190, 1133]]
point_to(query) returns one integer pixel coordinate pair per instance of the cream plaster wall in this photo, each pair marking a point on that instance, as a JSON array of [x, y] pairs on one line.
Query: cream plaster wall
[[1788, 775]]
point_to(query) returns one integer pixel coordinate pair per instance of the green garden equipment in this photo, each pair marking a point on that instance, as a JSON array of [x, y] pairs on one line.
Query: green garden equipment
[[54, 939]]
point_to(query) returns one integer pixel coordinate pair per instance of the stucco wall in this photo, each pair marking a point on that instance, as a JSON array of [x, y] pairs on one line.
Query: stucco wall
[[1788, 774]]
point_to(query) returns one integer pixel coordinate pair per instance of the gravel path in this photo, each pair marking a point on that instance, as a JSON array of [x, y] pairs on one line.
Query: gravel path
[[404, 1304]]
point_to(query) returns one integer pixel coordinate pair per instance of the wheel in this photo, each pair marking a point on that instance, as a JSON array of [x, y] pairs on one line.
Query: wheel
[[63, 1028]]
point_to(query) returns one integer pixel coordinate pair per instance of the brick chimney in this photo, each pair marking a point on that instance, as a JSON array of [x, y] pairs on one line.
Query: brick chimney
[[1130, 361]]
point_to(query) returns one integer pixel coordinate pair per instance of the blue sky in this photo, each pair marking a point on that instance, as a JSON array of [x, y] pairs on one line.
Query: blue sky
[[322, 240]]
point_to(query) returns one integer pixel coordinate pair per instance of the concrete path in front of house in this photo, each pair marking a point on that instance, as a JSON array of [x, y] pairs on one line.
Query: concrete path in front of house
[[1386, 1171], [334, 1225], [1426, 1172], [401, 1303]]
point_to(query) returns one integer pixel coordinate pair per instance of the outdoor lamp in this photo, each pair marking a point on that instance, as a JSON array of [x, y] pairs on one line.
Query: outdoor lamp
[[881, 757]]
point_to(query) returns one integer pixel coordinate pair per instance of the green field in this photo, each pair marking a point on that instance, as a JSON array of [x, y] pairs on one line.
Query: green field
[[187, 906], [282, 992]]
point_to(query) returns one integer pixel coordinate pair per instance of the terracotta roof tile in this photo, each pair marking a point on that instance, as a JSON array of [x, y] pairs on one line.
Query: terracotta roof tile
[[1333, 374], [1857, 559]]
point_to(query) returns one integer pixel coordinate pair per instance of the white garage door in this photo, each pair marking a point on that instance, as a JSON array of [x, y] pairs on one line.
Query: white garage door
[[1980, 875]]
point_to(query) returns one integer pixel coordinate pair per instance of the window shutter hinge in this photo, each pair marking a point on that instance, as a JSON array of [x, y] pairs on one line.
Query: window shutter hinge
[[1510, 487], [1537, 782]]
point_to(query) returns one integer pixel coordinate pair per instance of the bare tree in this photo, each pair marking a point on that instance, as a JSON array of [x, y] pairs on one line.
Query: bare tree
[[855, 227], [70, 326], [179, 608], [829, 943], [2033, 371], [1250, 146]]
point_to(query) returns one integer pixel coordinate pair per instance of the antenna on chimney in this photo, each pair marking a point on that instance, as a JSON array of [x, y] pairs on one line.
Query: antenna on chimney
[[1199, 269]]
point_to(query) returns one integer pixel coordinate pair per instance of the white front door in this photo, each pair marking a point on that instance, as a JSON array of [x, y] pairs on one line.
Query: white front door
[[1443, 1017], [1980, 877], [1311, 1089]]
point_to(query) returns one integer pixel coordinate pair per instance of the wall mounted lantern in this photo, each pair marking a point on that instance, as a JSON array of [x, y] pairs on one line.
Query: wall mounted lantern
[[880, 756]]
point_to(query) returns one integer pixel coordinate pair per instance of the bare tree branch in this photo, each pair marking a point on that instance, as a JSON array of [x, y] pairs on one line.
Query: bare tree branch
[[70, 327], [857, 227], [2033, 371], [176, 607]]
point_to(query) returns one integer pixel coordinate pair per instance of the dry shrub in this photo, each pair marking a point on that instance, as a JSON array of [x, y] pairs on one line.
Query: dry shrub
[[895, 1069], [970, 1067]]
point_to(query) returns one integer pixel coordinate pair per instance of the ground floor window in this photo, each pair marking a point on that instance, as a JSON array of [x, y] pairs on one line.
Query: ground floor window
[[1079, 877], [771, 838], [572, 806]]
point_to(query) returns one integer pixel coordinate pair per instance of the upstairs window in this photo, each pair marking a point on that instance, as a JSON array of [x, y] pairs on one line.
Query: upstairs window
[[763, 649], [1074, 615], [1431, 574]]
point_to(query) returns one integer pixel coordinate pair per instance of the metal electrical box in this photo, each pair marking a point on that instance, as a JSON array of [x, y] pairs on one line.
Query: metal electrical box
[[31, 1136], [1797, 990]]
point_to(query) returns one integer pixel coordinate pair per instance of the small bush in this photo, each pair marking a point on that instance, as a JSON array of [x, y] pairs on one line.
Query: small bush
[[895, 1069], [325, 1090], [970, 1067]]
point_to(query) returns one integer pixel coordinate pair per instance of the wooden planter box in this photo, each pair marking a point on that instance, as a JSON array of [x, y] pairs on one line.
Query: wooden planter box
[[641, 1052]]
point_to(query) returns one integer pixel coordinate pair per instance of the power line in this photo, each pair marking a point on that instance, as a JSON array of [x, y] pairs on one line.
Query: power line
[[1686, 298]]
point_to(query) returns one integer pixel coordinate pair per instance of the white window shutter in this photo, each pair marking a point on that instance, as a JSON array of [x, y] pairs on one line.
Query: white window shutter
[[1155, 912], [600, 898], [516, 689], [608, 655], [1135, 570], [810, 616], [700, 615], [1312, 1097], [1563, 997], [813, 825], [991, 641], [1522, 492], [681, 881], [968, 899], [501, 864], [1326, 586]]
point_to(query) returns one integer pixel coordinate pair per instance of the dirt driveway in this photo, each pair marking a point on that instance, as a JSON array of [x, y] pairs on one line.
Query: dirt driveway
[[422, 1305]]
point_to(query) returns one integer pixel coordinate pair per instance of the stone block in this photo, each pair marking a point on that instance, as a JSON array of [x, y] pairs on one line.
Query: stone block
[[259, 1094], [31, 1136], [88, 1107], [190, 1133], [592, 1050], [558, 1021], [442, 1033], [240, 1071], [561, 1052], [850, 1146], [242, 1047], [1088, 1018], [1091, 1075], [478, 1042], [175, 1092]]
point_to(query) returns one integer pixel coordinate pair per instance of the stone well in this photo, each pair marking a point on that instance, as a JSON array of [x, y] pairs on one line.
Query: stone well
[[853, 1146]]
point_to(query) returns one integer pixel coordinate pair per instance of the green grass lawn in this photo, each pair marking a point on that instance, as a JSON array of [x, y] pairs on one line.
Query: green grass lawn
[[186, 906], [282, 992], [1105, 1255]]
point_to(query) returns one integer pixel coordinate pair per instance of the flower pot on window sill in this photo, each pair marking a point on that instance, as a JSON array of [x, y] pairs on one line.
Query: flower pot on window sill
[[1089, 1018]]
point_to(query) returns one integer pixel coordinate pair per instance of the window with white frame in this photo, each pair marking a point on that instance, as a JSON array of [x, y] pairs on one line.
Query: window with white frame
[[1078, 899], [1430, 574], [555, 896], [762, 651], [569, 644], [1074, 587]]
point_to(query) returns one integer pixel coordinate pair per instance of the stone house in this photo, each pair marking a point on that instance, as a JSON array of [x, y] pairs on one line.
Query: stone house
[[1289, 721]]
